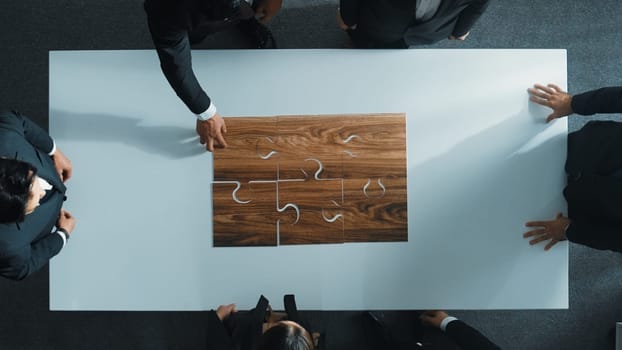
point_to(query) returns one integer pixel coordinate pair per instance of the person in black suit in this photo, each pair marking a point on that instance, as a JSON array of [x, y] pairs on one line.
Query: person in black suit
[[32, 175], [177, 24], [441, 331], [259, 328], [405, 23], [594, 169]]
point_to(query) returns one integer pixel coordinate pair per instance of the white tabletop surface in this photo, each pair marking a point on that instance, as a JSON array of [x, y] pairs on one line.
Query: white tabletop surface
[[481, 162]]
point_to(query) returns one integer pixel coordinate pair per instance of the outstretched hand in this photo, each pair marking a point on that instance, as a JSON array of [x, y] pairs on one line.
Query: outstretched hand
[[553, 230], [211, 132], [554, 97]]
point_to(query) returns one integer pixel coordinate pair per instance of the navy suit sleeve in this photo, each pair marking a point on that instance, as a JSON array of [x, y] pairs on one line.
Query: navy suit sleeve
[[604, 100], [31, 258], [167, 24], [467, 337], [469, 16], [349, 10], [217, 336], [34, 134]]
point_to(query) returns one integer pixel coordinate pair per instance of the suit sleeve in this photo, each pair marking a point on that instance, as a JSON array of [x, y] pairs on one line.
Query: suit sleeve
[[31, 258], [604, 100], [34, 134], [170, 38], [217, 336], [468, 338], [595, 235], [469, 16], [349, 10]]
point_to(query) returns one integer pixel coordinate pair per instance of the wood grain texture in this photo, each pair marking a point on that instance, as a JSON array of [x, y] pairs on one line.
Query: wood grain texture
[[319, 164], [374, 214]]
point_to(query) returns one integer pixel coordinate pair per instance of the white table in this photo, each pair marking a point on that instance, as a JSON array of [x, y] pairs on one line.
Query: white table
[[481, 162]]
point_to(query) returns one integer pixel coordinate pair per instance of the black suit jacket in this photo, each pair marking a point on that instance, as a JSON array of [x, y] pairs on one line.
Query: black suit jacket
[[27, 246], [393, 20], [241, 331], [467, 337], [174, 26], [594, 168]]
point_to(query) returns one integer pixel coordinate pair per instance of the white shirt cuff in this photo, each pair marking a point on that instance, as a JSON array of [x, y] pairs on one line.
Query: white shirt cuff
[[208, 112], [53, 149], [62, 236], [446, 321]]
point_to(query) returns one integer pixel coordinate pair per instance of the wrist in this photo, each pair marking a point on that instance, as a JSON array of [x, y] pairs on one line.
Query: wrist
[[208, 113], [64, 232]]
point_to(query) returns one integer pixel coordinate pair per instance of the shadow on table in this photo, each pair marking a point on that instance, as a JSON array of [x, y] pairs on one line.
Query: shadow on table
[[168, 141]]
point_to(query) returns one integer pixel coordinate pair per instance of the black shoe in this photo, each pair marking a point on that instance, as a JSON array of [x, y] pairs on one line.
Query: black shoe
[[375, 331], [260, 36]]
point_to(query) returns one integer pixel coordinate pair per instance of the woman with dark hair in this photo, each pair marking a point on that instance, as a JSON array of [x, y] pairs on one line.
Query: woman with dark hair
[[33, 227], [259, 328]]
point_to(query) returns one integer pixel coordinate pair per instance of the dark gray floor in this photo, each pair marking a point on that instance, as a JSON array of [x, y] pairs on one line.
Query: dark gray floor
[[591, 31]]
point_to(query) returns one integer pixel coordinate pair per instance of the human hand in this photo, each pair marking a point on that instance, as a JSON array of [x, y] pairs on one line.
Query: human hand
[[212, 132], [66, 221], [433, 318], [62, 165], [267, 9], [555, 230], [554, 97], [341, 23], [225, 311], [461, 38]]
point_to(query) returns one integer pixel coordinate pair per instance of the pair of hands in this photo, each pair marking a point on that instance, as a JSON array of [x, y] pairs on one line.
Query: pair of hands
[[64, 168], [560, 102]]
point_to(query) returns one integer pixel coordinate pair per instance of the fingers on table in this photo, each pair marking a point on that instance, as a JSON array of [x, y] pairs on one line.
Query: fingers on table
[[532, 233]]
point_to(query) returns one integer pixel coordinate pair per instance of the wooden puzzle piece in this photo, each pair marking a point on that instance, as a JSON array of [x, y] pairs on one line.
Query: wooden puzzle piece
[[303, 138], [375, 210], [251, 153], [320, 204], [374, 148], [245, 217]]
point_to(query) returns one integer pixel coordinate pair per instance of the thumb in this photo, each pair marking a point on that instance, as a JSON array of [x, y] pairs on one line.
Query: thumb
[[551, 117]]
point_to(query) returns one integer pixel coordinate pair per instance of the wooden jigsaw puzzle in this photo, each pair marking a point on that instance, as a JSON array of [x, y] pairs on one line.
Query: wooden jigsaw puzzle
[[311, 179]]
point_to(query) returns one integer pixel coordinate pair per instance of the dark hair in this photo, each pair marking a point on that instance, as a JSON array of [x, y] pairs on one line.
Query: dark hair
[[15, 179], [286, 336]]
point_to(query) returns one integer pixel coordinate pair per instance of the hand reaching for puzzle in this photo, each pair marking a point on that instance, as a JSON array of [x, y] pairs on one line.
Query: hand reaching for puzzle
[[211, 132]]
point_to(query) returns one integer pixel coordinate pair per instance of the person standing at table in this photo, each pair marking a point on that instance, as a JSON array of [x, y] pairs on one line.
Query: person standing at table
[[33, 225], [177, 24], [405, 23], [437, 330], [594, 170]]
